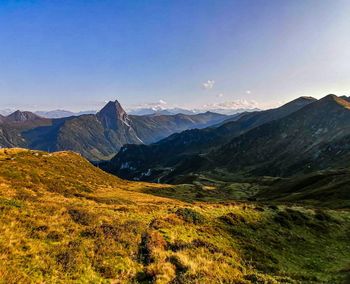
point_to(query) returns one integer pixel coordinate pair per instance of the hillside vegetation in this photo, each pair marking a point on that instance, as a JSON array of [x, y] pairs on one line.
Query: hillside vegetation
[[64, 221]]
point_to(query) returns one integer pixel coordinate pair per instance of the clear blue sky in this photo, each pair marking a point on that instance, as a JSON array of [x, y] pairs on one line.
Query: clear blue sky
[[77, 54]]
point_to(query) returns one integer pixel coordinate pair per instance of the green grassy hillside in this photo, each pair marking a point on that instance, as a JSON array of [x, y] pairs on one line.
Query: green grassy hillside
[[323, 188], [64, 221]]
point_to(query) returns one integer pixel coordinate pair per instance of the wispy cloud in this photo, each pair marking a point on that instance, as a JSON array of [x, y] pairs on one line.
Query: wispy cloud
[[235, 104], [208, 84], [159, 105]]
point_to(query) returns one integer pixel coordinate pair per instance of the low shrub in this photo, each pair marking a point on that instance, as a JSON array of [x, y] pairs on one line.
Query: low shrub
[[54, 236], [81, 216], [291, 217], [190, 216], [233, 219], [204, 244], [323, 216]]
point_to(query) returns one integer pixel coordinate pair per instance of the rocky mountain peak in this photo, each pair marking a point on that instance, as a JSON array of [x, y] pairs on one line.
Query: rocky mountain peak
[[18, 116], [112, 114]]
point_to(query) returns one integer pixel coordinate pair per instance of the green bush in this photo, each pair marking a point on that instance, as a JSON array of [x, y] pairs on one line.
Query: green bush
[[190, 216]]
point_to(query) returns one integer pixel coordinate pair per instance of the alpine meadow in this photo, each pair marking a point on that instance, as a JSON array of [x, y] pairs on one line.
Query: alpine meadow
[[175, 142]]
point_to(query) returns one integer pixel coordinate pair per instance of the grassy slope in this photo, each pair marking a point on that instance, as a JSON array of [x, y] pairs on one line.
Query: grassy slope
[[63, 220], [328, 188]]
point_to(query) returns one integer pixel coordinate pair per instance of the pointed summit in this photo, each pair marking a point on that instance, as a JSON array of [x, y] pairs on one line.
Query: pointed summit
[[18, 116], [112, 115]]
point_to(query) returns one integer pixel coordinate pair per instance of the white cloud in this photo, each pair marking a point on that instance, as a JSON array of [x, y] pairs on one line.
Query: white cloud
[[208, 84], [220, 95], [156, 106], [248, 92], [236, 104]]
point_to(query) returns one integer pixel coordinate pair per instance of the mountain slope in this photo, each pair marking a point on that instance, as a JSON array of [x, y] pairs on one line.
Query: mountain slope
[[153, 128], [103, 135], [20, 116], [313, 138], [13, 125], [154, 161], [9, 137], [95, 136], [87, 135], [63, 220], [328, 188]]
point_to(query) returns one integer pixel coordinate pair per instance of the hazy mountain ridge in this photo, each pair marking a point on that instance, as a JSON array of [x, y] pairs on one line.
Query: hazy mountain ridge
[[95, 136], [142, 111], [61, 113], [173, 111]]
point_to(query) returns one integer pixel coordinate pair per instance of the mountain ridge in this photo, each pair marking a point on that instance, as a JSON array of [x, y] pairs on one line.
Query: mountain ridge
[[299, 140], [98, 136], [168, 152]]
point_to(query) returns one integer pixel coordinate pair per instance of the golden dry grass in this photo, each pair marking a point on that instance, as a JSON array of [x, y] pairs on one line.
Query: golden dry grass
[[65, 221]]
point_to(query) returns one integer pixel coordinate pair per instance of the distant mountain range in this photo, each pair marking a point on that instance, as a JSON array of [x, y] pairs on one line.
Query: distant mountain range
[[58, 113], [62, 113], [95, 136], [299, 137], [172, 111], [227, 109]]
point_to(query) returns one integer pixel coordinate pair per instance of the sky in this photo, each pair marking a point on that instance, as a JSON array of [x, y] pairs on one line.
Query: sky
[[78, 54]]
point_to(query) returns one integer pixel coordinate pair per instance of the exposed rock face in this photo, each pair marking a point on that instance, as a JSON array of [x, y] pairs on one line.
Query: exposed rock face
[[113, 116]]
